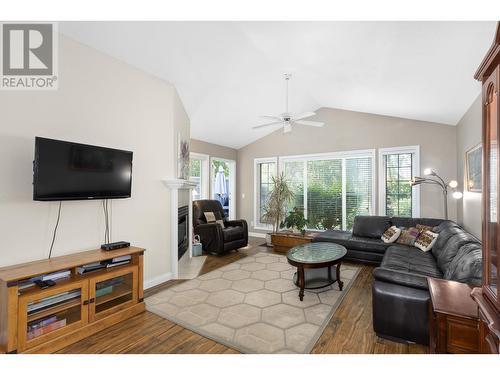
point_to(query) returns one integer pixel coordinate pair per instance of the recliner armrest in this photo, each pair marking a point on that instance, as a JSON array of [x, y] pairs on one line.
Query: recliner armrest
[[408, 279], [209, 228], [236, 223]]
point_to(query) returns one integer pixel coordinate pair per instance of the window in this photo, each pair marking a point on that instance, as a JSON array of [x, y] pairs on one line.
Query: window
[[264, 171], [333, 188], [397, 166], [198, 173]]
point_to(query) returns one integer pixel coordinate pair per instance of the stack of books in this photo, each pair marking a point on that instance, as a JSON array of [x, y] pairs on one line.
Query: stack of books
[[44, 326], [118, 261]]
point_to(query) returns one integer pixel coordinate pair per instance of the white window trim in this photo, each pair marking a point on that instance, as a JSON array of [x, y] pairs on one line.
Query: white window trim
[[232, 183], [205, 173], [256, 188], [331, 156], [415, 150]]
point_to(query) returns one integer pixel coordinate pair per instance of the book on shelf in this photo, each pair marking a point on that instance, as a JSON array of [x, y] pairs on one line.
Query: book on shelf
[[121, 259], [110, 265], [56, 275], [90, 267], [104, 291]]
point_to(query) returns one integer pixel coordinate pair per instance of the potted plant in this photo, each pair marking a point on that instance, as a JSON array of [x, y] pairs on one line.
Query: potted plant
[[276, 205], [296, 221]]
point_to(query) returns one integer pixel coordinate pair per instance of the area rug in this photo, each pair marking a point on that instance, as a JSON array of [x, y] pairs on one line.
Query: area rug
[[252, 305]]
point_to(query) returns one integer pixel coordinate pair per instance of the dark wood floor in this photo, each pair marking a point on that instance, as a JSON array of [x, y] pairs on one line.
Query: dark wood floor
[[349, 330]]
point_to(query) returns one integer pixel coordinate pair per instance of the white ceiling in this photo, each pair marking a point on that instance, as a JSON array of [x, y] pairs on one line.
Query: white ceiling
[[229, 73]]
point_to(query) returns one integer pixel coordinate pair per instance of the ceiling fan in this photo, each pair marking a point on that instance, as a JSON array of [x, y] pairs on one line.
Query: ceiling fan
[[287, 119]]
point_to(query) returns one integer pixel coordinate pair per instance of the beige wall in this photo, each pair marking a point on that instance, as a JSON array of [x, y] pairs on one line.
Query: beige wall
[[212, 149], [469, 135], [100, 101], [347, 130]]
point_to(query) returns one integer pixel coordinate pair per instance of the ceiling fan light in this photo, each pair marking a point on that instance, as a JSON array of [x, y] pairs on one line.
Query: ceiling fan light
[[287, 128]]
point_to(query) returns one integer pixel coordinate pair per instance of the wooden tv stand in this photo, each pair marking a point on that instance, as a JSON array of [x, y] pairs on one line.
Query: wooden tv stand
[[89, 303]]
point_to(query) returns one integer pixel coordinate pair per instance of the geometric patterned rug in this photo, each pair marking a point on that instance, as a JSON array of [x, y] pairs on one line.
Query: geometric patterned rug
[[252, 305]]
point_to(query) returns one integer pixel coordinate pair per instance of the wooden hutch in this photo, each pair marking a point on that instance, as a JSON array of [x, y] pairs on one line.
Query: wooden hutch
[[487, 295]]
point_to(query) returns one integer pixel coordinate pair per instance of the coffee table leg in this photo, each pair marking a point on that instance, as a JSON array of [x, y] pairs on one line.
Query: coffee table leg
[[302, 281], [341, 284]]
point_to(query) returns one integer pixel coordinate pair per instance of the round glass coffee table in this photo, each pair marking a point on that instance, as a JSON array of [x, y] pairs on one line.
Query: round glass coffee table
[[314, 263]]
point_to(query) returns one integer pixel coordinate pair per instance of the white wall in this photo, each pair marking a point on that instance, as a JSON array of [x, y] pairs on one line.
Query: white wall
[[100, 101], [469, 131], [349, 130]]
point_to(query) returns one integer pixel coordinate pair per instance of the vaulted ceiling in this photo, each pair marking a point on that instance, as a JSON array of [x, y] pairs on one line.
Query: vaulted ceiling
[[229, 73]]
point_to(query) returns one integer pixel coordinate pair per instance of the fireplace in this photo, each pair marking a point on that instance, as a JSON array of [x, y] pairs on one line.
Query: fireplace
[[182, 230]]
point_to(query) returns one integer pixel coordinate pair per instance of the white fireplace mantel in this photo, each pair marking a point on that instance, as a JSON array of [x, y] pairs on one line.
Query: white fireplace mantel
[[175, 185]]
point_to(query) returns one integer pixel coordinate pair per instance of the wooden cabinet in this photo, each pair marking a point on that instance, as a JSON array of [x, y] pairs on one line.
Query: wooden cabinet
[[46, 320], [487, 296], [453, 318]]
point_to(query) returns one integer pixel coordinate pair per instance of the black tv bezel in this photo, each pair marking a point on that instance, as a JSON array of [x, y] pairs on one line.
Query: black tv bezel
[[82, 197]]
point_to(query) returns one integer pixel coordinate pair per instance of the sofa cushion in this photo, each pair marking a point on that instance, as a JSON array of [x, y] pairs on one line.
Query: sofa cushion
[[370, 226], [340, 237], [375, 245], [445, 231], [233, 233], [411, 280], [466, 266], [410, 259]]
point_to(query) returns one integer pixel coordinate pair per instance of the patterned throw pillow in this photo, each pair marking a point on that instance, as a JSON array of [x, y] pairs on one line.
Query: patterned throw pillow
[[391, 234], [408, 236], [426, 240], [220, 222], [210, 217], [422, 228]]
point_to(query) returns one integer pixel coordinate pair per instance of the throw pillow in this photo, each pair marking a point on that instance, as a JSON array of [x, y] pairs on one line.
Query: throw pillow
[[422, 228], [210, 217], [426, 240], [391, 234], [408, 236], [220, 222]]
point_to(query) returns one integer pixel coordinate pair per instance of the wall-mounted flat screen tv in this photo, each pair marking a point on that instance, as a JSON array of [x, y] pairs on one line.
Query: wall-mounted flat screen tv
[[73, 171]]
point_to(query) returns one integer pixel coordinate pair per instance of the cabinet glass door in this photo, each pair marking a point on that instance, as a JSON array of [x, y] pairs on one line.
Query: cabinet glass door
[[491, 186], [51, 313], [112, 291]]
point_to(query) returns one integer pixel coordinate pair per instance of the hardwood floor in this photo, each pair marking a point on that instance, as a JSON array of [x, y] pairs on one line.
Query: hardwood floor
[[348, 332]]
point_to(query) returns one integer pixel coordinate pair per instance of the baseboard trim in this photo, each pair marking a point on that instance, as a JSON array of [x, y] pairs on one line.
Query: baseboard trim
[[256, 234], [157, 280]]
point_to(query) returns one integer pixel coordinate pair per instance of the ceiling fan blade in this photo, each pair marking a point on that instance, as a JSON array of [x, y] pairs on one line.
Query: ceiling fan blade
[[268, 124], [300, 116], [272, 117], [310, 123]]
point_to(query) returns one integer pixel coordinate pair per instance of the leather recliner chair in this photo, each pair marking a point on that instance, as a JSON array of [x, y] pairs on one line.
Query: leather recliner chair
[[216, 239]]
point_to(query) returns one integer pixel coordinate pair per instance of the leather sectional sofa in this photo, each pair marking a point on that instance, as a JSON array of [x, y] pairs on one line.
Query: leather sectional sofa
[[400, 290]]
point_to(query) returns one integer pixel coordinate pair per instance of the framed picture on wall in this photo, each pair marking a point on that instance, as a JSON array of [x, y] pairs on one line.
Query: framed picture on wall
[[474, 169]]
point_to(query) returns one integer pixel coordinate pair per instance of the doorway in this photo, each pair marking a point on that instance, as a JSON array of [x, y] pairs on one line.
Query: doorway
[[223, 184]]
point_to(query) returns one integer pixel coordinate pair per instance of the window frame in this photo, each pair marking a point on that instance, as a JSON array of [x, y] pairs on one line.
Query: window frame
[[205, 173], [415, 151], [342, 155], [256, 196]]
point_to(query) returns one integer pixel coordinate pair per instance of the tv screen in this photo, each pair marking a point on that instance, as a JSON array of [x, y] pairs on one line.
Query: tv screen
[[71, 171]]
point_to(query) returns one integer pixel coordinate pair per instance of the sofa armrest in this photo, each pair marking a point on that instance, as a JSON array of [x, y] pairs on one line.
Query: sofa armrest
[[408, 279], [239, 223]]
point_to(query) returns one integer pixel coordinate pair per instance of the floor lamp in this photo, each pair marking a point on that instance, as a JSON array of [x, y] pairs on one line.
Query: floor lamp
[[433, 178]]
